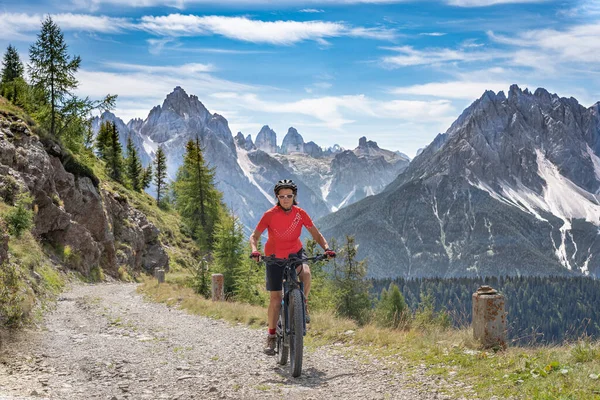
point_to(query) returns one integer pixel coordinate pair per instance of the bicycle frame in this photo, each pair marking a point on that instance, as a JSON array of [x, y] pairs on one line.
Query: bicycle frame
[[291, 282]]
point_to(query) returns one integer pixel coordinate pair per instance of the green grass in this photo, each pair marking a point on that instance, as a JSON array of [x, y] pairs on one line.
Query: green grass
[[38, 281], [569, 371]]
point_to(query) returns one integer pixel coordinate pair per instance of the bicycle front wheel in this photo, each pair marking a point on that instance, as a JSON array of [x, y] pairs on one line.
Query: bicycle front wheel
[[282, 340], [296, 332]]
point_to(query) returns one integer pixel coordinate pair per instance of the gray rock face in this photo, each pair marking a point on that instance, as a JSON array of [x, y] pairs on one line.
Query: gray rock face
[[178, 115], [363, 172], [266, 140], [509, 189], [135, 125], [240, 140], [292, 142], [244, 142], [313, 150], [249, 144], [71, 211]]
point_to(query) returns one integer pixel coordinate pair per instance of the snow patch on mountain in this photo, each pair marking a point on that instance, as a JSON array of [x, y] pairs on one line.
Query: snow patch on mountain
[[150, 146], [347, 198], [565, 199], [248, 168]]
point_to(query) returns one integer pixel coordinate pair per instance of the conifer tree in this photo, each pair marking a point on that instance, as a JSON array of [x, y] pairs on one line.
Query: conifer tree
[[201, 280], [12, 83], [114, 163], [353, 289], [52, 70], [228, 249], [250, 281], [12, 67], [197, 199], [134, 167], [160, 177], [322, 294], [146, 177], [391, 310], [103, 140]]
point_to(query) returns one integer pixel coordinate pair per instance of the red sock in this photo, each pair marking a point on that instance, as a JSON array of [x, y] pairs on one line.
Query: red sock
[[272, 331]]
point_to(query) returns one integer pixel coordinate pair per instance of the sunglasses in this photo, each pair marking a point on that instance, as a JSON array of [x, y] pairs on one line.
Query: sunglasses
[[285, 196]]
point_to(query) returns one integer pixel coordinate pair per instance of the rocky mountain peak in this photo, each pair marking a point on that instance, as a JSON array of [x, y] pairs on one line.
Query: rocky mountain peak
[[292, 142], [266, 140], [364, 143], [183, 105]]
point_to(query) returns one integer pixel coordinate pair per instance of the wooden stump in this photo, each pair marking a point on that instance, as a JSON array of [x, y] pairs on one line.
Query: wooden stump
[[217, 287]]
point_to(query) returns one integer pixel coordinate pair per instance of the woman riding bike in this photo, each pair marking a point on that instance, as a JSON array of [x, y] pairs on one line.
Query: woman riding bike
[[284, 223]]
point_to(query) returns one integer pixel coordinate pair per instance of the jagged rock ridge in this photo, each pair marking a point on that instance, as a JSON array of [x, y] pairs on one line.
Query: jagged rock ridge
[[510, 188]]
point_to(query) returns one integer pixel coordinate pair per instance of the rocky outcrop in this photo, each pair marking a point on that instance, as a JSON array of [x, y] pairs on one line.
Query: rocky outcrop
[[71, 209], [244, 142], [266, 140], [314, 150], [249, 144], [292, 142]]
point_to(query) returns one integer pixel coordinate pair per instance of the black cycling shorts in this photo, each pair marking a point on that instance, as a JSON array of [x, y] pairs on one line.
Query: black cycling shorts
[[275, 274]]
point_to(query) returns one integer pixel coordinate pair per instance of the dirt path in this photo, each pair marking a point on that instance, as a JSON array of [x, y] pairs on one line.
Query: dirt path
[[106, 342]]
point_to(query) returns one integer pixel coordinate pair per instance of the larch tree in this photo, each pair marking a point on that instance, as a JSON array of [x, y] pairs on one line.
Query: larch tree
[[160, 175], [134, 168]]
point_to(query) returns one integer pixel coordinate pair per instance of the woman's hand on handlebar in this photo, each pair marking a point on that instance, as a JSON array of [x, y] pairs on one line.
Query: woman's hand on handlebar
[[256, 256]]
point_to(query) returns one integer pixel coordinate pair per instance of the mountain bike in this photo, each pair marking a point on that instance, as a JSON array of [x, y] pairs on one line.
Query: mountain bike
[[291, 326]]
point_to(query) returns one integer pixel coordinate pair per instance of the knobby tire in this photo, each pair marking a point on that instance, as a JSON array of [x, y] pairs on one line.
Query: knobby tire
[[296, 338], [282, 341]]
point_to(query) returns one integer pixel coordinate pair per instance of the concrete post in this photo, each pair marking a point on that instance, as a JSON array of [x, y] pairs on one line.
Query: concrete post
[[160, 275], [217, 287], [489, 318]]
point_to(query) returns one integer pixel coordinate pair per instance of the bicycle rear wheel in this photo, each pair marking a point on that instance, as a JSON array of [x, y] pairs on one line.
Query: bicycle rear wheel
[[283, 345], [296, 338]]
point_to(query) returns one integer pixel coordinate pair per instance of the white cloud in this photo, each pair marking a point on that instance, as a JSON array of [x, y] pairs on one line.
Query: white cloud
[[432, 34], [452, 90], [576, 44], [256, 31], [311, 10], [21, 26], [409, 56], [335, 112]]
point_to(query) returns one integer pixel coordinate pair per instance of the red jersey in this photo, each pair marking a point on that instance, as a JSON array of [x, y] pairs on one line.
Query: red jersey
[[284, 230]]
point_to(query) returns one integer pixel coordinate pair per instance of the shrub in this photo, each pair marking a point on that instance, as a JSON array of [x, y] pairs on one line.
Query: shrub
[[426, 317], [11, 297], [20, 218], [391, 310], [9, 189]]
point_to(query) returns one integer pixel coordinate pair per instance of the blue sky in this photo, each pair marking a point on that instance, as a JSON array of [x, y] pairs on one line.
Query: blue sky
[[397, 72]]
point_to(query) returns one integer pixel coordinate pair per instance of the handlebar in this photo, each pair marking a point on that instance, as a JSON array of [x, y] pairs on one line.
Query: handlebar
[[296, 260]]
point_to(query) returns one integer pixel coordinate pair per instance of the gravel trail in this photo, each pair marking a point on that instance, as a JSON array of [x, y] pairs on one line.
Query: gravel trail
[[106, 342]]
